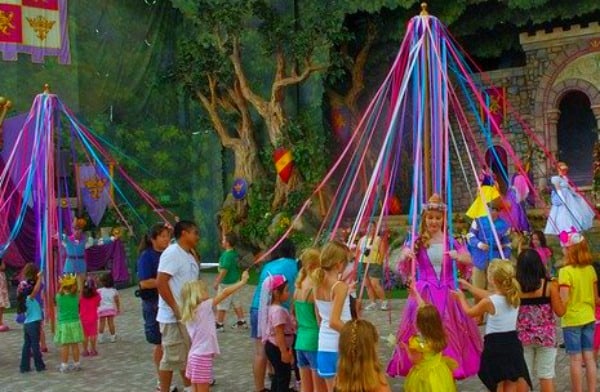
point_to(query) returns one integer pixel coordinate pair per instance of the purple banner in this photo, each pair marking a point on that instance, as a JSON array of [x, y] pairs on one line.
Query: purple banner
[[94, 191]]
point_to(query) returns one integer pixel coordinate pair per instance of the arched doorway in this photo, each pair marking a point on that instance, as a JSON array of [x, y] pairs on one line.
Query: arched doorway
[[496, 159], [576, 136]]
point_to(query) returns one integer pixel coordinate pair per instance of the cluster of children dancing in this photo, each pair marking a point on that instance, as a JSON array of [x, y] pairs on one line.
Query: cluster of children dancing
[[81, 316]]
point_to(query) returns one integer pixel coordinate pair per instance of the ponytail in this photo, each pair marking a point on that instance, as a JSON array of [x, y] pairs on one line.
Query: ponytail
[[513, 291], [318, 276], [145, 243], [503, 275], [301, 276]]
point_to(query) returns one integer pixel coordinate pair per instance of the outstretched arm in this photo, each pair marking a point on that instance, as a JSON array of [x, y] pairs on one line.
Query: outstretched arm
[[476, 291], [231, 289]]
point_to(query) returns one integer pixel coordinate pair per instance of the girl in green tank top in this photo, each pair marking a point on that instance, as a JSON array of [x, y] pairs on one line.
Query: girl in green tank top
[[307, 337]]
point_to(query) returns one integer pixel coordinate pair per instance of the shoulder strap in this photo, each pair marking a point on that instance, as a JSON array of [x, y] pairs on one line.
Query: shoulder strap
[[308, 295], [544, 295], [331, 290]]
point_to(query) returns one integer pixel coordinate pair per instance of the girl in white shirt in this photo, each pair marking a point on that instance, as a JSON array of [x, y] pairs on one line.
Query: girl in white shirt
[[109, 307], [502, 366]]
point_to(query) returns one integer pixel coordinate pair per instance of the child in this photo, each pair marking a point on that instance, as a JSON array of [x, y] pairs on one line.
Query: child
[[540, 300], [431, 371], [198, 314], [88, 311], [538, 243], [333, 304], [109, 307], [68, 330], [502, 366], [579, 292], [4, 301], [277, 330], [307, 338], [229, 273], [359, 368], [27, 303], [29, 273]]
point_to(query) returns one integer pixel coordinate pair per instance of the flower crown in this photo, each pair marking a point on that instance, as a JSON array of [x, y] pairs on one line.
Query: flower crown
[[67, 280], [434, 204]]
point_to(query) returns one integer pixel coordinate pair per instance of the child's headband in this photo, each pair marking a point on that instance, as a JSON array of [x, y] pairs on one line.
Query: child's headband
[[569, 238], [273, 282]]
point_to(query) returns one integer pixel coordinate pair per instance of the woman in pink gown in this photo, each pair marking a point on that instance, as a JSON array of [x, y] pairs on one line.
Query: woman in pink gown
[[434, 257]]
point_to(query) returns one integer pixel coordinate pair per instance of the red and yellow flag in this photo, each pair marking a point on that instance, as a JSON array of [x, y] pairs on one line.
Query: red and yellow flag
[[284, 163], [37, 27]]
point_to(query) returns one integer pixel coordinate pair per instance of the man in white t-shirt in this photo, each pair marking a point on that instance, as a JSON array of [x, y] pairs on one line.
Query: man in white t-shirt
[[177, 266]]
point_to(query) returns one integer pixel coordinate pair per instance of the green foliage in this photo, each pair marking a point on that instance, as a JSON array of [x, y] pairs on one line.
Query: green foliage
[[255, 230], [162, 154]]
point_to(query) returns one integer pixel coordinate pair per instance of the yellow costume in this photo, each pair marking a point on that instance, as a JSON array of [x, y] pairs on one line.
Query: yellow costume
[[433, 373]]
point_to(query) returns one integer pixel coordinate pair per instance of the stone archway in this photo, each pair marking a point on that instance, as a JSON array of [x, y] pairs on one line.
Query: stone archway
[[563, 75]]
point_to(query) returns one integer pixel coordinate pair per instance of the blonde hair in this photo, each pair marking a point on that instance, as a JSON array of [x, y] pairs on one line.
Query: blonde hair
[[193, 293], [310, 259], [429, 324], [579, 254], [333, 253], [504, 278], [358, 366]]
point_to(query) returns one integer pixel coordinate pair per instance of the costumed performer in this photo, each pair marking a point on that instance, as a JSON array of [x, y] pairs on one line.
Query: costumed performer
[[434, 256], [517, 195], [482, 241], [75, 245], [489, 191], [568, 209]]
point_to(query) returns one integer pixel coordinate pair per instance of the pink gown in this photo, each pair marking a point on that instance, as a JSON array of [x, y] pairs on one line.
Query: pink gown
[[464, 341]]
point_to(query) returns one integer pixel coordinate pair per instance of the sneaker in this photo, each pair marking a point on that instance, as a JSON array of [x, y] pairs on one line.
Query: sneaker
[[4, 328], [220, 327], [63, 368], [86, 353], [113, 338], [384, 305], [371, 306], [101, 338], [172, 388], [93, 353], [75, 366], [44, 349], [240, 324]]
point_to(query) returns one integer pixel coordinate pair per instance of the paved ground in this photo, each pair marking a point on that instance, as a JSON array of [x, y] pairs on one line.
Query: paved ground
[[126, 365]]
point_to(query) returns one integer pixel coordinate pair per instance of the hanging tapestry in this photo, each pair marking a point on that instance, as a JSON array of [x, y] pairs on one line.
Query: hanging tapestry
[[95, 191], [37, 27]]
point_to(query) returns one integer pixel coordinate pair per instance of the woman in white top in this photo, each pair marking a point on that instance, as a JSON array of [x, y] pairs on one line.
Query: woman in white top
[[333, 304], [502, 366]]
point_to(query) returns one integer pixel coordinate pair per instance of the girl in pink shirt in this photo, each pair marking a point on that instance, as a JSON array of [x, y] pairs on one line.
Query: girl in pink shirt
[[88, 313], [276, 326], [538, 243], [198, 314]]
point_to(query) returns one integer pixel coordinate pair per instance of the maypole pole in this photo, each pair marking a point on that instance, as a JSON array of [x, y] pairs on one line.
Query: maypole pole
[[427, 186]]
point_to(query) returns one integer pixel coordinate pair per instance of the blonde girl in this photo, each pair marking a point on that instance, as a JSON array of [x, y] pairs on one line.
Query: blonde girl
[[579, 293], [359, 368], [431, 371], [69, 332], [333, 305], [307, 337], [502, 365], [198, 314]]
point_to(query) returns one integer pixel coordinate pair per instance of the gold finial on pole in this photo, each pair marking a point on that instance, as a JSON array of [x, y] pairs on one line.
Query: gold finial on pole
[[46, 88], [424, 11]]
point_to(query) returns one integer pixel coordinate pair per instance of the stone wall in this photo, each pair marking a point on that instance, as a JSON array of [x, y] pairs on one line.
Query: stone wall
[[557, 62]]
